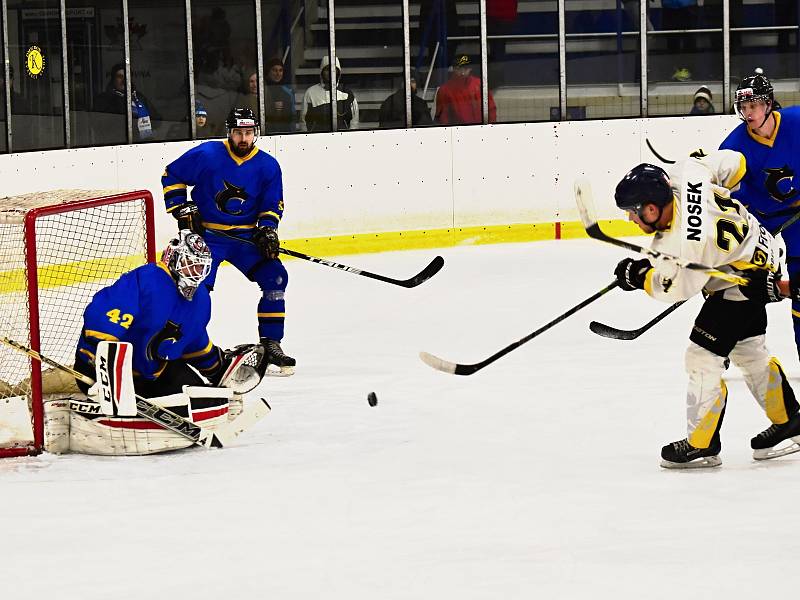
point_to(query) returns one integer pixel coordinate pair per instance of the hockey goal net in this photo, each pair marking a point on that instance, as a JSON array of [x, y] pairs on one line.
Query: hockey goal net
[[56, 250]]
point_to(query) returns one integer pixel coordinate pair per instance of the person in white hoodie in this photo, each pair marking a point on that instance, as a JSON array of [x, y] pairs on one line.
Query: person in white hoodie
[[316, 112]]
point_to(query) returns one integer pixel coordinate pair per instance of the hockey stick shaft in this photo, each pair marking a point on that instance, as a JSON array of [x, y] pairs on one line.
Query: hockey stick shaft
[[585, 202], [433, 267], [631, 334], [656, 154], [465, 369], [144, 408]]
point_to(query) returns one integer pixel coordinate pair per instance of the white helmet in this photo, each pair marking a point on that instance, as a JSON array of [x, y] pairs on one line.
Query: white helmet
[[189, 261]]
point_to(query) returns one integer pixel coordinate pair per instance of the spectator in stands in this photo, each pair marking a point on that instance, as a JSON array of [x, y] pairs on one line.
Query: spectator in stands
[[278, 99], [680, 15], [316, 112], [702, 102], [458, 102], [248, 92], [393, 109], [112, 100], [201, 118]]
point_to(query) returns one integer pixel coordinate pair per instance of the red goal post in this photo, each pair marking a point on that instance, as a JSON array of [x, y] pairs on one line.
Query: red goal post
[[57, 249]]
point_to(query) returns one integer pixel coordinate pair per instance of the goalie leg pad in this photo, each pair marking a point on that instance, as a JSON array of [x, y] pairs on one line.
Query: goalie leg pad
[[56, 423], [706, 395], [114, 378]]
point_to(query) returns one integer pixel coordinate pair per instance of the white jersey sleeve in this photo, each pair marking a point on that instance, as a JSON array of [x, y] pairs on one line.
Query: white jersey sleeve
[[708, 227]]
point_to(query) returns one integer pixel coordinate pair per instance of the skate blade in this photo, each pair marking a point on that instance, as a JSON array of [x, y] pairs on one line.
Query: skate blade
[[775, 452], [699, 463], [276, 371]]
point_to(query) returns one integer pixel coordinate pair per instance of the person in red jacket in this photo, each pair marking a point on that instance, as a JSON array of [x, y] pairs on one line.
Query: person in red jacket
[[458, 102]]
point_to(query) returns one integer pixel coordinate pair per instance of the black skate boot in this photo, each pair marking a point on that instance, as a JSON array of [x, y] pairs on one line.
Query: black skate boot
[[764, 443], [682, 455], [278, 363]]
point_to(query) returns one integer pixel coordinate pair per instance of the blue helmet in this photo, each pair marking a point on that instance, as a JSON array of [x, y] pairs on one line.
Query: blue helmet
[[644, 184]]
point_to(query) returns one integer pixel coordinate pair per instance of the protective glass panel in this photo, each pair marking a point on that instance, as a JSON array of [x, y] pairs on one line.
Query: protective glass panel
[[315, 95], [3, 116], [684, 53], [37, 100], [603, 60], [159, 70], [95, 50], [225, 62], [282, 27]]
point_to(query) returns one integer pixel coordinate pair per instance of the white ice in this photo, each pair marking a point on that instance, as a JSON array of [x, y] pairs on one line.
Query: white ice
[[537, 477]]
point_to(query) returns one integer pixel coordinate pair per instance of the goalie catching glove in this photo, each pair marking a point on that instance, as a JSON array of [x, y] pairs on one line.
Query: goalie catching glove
[[266, 240], [188, 216], [241, 368], [631, 274]]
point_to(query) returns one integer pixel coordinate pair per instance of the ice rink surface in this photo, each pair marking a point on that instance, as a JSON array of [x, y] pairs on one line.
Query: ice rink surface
[[536, 477]]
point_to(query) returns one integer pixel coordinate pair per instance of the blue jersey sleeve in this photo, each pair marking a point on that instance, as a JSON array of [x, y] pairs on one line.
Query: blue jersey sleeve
[[181, 173], [271, 210]]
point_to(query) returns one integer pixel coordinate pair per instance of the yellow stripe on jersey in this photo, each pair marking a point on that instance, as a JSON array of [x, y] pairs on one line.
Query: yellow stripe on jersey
[[205, 350], [87, 353], [272, 315], [734, 180], [220, 227], [240, 160], [796, 314], [176, 186], [100, 335], [705, 430], [774, 403]]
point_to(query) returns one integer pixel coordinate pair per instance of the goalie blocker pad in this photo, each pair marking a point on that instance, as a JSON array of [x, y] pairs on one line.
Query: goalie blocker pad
[[75, 423], [113, 388]]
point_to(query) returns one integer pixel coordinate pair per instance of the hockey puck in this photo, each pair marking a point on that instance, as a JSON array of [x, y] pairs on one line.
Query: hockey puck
[[372, 399]]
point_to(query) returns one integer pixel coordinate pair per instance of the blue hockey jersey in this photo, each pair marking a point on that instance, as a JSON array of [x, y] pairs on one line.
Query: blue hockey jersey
[[234, 194], [144, 307], [770, 189]]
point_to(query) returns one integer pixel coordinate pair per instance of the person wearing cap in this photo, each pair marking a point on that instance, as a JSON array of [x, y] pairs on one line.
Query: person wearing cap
[[702, 102], [458, 101], [200, 116], [393, 109]]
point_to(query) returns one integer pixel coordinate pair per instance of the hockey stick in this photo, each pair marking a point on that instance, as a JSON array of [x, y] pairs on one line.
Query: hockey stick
[[631, 334], [585, 201], [656, 154], [433, 267], [158, 414], [462, 369]]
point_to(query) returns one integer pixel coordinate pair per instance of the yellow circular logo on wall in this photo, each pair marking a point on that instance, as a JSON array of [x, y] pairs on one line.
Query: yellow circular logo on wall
[[34, 62]]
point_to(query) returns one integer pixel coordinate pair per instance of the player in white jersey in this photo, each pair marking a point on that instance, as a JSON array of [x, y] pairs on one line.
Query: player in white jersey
[[693, 217]]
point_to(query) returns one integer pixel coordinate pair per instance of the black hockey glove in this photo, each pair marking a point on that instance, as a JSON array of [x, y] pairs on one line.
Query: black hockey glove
[[762, 286], [632, 273], [794, 287], [266, 240], [188, 216]]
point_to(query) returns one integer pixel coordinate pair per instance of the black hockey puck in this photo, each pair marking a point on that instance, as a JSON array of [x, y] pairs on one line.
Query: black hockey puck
[[372, 399]]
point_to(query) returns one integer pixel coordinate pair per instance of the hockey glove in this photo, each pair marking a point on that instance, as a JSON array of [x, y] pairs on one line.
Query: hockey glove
[[631, 274], [188, 216], [266, 240], [762, 286]]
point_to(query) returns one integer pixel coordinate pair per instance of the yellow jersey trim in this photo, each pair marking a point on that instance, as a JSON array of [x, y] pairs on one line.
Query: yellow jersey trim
[[176, 186], [220, 227], [272, 315], [767, 141], [737, 177], [240, 160], [100, 335], [205, 350]]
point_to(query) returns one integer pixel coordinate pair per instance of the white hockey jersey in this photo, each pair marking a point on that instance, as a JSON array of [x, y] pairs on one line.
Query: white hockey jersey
[[711, 228]]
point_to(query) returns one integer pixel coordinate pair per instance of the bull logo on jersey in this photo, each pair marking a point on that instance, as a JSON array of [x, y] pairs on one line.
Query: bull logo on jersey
[[231, 200], [773, 183], [160, 342]]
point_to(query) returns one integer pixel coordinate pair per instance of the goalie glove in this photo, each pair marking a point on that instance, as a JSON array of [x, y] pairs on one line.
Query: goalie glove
[[242, 368], [188, 216], [762, 286], [266, 240]]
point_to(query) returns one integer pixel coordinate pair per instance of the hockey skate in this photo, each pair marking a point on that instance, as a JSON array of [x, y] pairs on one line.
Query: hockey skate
[[682, 455], [278, 363], [765, 444]]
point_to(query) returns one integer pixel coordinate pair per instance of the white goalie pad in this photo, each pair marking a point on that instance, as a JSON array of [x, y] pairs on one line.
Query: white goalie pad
[[113, 388], [75, 423]]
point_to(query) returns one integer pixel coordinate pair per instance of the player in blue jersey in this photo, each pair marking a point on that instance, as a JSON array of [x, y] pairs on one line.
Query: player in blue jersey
[[236, 204], [770, 188], [162, 310]]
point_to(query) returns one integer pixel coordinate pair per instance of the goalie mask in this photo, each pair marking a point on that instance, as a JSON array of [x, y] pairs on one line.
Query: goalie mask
[[189, 261]]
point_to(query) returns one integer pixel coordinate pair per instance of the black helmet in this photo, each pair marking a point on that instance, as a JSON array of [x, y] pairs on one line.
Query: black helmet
[[754, 88], [644, 184], [242, 117]]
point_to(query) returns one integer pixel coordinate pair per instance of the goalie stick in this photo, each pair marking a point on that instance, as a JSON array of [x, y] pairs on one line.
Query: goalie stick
[[585, 202], [631, 334], [222, 436], [433, 267], [463, 369]]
